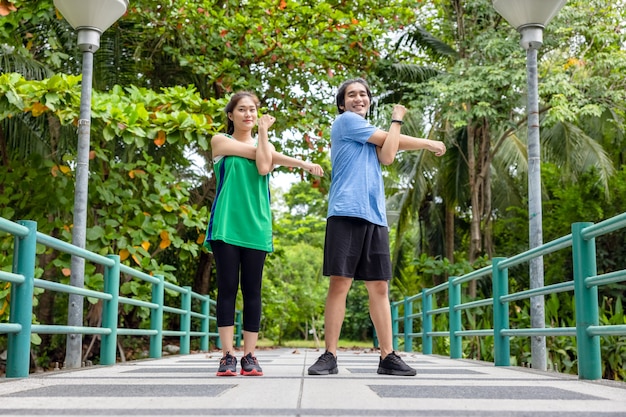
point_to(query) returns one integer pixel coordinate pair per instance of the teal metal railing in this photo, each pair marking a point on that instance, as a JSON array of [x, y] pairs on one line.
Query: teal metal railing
[[584, 285], [23, 281]]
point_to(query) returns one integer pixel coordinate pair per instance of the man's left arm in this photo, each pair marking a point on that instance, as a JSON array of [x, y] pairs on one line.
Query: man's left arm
[[410, 143]]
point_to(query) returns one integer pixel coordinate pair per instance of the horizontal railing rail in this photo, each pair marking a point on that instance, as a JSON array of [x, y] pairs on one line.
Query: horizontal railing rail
[[23, 282], [584, 286]]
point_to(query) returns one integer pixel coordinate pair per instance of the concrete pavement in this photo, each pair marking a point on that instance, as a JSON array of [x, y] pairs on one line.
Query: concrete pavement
[[187, 386]]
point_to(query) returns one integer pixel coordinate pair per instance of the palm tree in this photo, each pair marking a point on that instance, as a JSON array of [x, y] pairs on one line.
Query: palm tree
[[412, 183], [485, 133]]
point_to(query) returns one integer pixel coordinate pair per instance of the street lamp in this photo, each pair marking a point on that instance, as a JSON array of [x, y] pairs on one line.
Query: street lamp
[[90, 18], [530, 17]]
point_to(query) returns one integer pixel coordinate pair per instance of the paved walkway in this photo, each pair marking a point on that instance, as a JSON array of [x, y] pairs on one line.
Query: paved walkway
[[187, 386]]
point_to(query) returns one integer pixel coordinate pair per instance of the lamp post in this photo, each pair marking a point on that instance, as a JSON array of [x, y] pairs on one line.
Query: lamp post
[[530, 17], [90, 18]]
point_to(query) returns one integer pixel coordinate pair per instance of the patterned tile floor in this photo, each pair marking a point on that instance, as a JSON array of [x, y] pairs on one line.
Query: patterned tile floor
[[187, 386]]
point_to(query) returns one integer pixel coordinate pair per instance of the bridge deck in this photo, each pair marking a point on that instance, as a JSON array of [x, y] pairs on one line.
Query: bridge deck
[[187, 386]]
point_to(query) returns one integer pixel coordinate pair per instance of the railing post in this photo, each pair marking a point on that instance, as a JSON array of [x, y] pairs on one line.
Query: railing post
[[21, 310], [427, 323], [394, 326], [502, 344], [185, 321], [408, 325], [204, 324], [108, 346], [156, 318], [584, 262], [238, 328], [456, 342]]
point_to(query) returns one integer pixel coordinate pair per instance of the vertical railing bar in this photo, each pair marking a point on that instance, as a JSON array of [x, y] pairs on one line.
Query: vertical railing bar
[[156, 318], [238, 328], [408, 325], [427, 323], [21, 309], [454, 299], [586, 299], [204, 324], [501, 343], [185, 321], [108, 346], [394, 327]]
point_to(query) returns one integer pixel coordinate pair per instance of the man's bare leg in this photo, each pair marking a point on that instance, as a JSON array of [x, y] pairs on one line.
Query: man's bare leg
[[380, 312], [335, 311]]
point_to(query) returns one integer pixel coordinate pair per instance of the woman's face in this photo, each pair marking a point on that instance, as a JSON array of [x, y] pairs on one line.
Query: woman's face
[[244, 115]]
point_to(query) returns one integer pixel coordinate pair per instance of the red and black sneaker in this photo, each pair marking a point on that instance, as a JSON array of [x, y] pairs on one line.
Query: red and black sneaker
[[250, 366], [228, 366]]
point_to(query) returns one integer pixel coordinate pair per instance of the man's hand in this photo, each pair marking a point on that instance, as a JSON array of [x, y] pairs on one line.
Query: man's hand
[[398, 112], [436, 147]]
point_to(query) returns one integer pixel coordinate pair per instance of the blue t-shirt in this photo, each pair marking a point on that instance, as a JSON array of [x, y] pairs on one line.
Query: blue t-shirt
[[356, 188]]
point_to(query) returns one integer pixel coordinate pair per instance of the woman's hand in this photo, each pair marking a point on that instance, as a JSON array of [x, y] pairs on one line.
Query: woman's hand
[[265, 122], [313, 169]]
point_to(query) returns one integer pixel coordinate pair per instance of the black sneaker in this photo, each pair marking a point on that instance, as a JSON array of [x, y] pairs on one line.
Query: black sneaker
[[228, 366], [325, 365], [250, 366], [394, 365]]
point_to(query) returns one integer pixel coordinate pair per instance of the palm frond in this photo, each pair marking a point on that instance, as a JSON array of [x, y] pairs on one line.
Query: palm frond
[[11, 60], [569, 147], [407, 73], [419, 37]]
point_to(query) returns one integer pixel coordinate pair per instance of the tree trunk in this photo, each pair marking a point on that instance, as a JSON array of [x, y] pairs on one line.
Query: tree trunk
[[484, 177], [487, 224], [475, 236], [449, 231], [44, 311], [202, 280], [4, 156]]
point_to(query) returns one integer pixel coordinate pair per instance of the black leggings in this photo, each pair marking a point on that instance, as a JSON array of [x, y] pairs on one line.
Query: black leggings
[[229, 261]]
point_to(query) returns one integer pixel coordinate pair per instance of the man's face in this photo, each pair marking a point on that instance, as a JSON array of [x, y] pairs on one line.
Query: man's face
[[356, 99]]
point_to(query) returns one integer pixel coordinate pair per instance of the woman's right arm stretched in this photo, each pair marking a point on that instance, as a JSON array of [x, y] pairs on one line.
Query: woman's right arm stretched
[[288, 161], [224, 146]]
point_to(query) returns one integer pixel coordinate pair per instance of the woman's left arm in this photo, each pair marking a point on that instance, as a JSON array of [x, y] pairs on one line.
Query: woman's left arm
[[287, 161], [264, 163]]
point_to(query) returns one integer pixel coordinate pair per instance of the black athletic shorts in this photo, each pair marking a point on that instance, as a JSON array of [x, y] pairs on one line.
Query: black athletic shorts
[[356, 248]]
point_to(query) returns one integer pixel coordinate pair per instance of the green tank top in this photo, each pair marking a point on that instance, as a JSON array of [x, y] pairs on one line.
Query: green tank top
[[241, 213]]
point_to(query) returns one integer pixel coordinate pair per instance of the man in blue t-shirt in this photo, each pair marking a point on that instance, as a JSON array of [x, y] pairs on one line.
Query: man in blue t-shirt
[[357, 236]]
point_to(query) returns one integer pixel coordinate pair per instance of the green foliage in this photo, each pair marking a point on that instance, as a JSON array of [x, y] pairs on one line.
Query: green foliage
[[287, 52], [427, 271], [567, 202], [357, 324], [306, 199], [164, 73], [161, 79], [613, 347], [293, 293]]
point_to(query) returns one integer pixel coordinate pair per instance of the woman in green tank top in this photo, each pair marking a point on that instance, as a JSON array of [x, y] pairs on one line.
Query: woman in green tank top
[[239, 232]]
